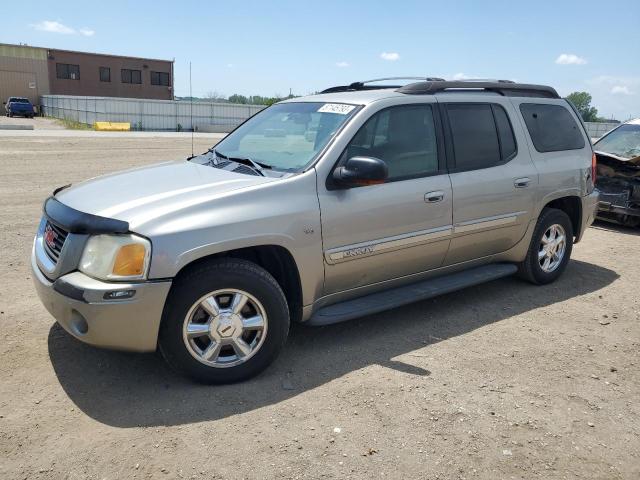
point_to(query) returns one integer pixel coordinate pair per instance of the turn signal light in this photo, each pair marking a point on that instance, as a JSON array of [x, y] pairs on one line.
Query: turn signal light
[[130, 260]]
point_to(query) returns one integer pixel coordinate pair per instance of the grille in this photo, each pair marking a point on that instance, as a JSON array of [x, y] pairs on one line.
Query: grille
[[53, 240]]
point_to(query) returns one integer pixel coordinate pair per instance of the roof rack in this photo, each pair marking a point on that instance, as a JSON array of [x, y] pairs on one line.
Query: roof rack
[[502, 87], [431, 85], [356, 86]]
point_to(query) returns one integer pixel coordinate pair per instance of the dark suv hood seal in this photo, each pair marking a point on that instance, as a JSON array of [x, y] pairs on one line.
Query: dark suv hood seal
[[75, 221]]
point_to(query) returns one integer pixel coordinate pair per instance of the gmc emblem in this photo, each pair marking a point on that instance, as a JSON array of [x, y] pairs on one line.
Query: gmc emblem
[[50, 236]]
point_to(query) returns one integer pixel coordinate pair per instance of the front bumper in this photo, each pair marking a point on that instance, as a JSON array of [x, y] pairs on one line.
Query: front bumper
[[589, 211], [77, 302]]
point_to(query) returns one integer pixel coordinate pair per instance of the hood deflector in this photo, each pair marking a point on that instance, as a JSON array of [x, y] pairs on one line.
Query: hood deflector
[[75, 221]]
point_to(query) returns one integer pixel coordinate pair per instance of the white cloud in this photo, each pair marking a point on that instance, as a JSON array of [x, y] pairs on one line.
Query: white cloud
[[52, 26], [570, 59], [390, 56], [342, 64], [621, 89], [460, 76]]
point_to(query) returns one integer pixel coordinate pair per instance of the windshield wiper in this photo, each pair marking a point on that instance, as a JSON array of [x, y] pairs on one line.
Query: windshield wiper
[[256, 166]]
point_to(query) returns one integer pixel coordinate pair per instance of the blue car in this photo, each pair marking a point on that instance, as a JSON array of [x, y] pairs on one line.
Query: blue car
[[19, 106]]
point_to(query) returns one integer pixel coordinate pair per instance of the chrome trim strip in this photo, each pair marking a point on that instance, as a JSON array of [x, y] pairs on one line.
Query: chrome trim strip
[[384, 245], [492, 222], [389, 244]]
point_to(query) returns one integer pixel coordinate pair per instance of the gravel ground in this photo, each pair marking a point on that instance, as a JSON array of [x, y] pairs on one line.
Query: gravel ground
[[39, 123], [504, 380]]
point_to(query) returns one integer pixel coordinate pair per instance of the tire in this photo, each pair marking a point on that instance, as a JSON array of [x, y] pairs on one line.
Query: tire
[[533, 268], [224, 280]]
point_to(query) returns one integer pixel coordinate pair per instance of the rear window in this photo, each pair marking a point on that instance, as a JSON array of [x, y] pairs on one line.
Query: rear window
[[18, 100], [551, 127]]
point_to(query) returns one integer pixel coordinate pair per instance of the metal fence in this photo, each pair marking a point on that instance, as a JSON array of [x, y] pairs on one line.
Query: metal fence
[[142, 114], [598, 129], [172, 115]]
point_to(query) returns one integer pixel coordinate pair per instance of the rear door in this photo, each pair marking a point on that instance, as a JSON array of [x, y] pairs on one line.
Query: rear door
[[492, 175]]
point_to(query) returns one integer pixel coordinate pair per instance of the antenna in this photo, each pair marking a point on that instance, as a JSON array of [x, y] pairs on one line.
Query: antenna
[[191, 107]]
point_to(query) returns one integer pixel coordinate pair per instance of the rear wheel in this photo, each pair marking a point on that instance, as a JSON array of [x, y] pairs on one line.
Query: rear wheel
[[550, 248], [224, 321]]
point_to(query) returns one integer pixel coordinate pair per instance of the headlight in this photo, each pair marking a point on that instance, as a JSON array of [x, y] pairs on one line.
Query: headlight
[[116, 257]]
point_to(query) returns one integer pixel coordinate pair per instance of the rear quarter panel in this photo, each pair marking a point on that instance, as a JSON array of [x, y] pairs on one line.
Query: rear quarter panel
[[561, 173]]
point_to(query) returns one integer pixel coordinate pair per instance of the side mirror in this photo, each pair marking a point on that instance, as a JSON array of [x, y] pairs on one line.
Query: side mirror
[[4, 103], [359, 171]]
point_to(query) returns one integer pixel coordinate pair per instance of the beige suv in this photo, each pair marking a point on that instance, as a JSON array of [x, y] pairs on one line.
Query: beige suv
[[318, 209]]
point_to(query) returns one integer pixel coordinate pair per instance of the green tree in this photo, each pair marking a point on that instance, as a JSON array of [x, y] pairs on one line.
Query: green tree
[[582, 102], [235, 98]]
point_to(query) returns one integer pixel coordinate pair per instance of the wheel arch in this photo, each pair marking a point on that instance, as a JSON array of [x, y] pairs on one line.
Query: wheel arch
[[572, 206], [275, 259]]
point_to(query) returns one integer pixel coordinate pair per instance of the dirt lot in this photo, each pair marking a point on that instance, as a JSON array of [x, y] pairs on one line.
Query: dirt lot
[[505, 380], [39, 123]]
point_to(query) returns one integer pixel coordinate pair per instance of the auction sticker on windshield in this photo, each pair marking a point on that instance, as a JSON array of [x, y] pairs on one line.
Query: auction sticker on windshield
[[339, 108]]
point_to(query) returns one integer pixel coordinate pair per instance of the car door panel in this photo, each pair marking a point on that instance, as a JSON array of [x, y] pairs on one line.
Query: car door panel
[[376, 233], [492, 206], [381, 232]]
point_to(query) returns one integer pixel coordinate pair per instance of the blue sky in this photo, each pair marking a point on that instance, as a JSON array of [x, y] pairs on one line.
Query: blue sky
[[267, 48]]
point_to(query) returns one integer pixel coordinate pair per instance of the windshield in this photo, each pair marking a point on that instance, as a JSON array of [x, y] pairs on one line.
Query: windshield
[[286, 136], [623, 142], [18, 100]]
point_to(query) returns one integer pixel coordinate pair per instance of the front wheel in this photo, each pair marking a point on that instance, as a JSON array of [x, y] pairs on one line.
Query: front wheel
[[224, 321], [550, 248]]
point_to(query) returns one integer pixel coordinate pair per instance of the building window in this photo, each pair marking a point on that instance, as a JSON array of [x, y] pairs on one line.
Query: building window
[[67, 71], [131, 76], [160, 78], [105, 74]]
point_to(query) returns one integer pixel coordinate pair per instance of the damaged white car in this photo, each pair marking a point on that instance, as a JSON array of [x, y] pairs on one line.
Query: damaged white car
[[618, 157]]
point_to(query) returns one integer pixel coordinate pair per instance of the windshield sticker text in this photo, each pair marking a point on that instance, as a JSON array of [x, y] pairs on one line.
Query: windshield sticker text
[[339, 108]]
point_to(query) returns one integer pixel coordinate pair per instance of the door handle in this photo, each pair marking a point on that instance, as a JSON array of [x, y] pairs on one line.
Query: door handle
[[521, 182], [434, 197]]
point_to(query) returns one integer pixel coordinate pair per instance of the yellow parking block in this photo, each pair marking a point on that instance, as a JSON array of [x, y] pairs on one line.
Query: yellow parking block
[[112, 126]]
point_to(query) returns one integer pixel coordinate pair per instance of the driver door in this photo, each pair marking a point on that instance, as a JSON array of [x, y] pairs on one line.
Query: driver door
[[382, 232]]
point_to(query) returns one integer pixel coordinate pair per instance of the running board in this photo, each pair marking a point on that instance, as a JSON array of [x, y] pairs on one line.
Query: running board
[[396, 297]]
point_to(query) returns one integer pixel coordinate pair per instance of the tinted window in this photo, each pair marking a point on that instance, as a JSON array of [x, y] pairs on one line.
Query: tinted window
[[67, 71], [551, 127], [131, 76], [505, 133], [105, 74], [404, 137], [474, 136], [160, 78]]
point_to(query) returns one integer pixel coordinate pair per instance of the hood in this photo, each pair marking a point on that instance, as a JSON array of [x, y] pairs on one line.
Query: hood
[[143, 194]]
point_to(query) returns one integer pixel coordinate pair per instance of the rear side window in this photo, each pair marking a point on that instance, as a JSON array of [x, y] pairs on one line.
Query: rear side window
[[474, 136], [551, 127]]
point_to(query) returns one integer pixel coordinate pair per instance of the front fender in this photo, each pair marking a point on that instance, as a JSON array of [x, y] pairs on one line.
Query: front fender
[[284, 213]]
